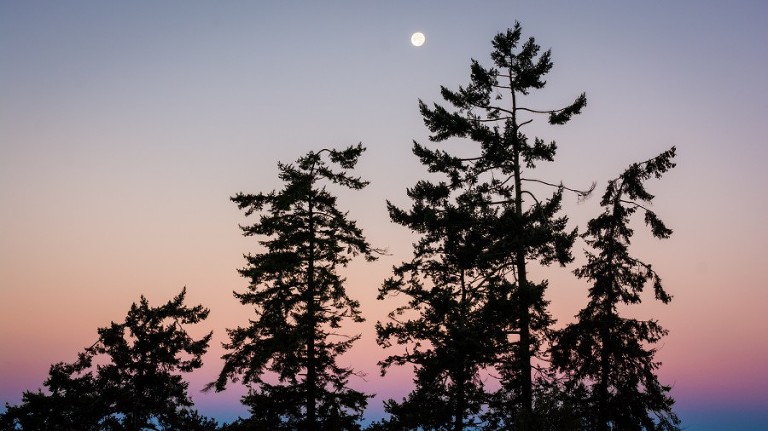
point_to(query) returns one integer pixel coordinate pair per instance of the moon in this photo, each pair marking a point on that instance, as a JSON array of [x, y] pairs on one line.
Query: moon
[[418, 39]]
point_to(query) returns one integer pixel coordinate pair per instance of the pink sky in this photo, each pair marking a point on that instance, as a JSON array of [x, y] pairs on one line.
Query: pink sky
[[124, 129]]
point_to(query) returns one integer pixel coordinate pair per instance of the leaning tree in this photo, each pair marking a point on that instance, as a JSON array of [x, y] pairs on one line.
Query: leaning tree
[[609, 354], [288, 354]]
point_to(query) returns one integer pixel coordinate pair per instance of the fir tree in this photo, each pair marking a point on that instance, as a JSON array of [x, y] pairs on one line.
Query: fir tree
[[608, 353], [300, 300], [128, 380], [452, 294], [494, 183]]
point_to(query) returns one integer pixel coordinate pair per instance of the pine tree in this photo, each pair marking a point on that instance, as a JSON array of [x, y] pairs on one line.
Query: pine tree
[[608, 353], [495, 181], [445, 324], [128, 380], [300, 300]]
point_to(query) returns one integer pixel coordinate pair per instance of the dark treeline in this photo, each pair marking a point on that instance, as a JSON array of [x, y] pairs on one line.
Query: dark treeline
[[474, 326]]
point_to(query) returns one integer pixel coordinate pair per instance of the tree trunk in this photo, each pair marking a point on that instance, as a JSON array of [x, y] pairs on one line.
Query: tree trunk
[[603, 416], [311, 365], [524, 351], [461, 374]]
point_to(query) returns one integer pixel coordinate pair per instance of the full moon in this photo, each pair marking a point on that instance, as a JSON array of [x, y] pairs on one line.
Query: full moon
[[418, 39]]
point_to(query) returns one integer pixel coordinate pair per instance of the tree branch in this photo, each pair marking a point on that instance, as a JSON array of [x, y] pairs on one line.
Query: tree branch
[[634, 204], [582, 193], [531, 195]]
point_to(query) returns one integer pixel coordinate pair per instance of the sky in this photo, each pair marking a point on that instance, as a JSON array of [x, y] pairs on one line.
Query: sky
[[126, 126]]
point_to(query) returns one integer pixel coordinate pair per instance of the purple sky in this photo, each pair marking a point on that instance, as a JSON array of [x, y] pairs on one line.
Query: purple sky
[[126, 126]]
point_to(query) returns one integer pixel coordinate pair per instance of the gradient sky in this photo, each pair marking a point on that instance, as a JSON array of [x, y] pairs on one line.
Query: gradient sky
[[126, 126]]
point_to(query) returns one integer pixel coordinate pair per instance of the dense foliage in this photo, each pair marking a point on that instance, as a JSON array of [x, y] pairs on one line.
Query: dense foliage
[[287, 356], [481, 226], [129, 380], [607, 353]]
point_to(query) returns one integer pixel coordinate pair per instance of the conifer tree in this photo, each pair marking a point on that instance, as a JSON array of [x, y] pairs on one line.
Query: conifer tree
[[604, 351], [452, 293], [496, 181], [300, 300], [128, 380]]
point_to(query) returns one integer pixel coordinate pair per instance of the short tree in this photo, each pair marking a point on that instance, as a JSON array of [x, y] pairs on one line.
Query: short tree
[[128, 380], [608, 353], [447, 325], [288, 355]]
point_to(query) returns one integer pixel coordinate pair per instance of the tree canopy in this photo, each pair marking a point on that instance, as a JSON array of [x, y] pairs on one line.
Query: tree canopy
[[604, 351], [129, 380], [472, 321], [480, 227], [288, 355]]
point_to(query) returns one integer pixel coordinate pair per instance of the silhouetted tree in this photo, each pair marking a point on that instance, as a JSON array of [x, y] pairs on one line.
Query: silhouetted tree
[[288, 354], [71, 402], [608, 353], [128, 380], [447, 324], [495, 182]]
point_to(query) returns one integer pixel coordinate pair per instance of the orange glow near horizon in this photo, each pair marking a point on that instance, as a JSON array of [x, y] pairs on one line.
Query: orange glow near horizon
[[125, 129]]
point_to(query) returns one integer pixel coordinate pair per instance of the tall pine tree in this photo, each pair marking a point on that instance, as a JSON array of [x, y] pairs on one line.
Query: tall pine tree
[[604, 351], [496, 181], [300, 300]]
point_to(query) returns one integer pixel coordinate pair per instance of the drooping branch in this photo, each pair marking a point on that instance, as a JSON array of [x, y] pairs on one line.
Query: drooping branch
[[634, 204], [536, 111], [582, 193]]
